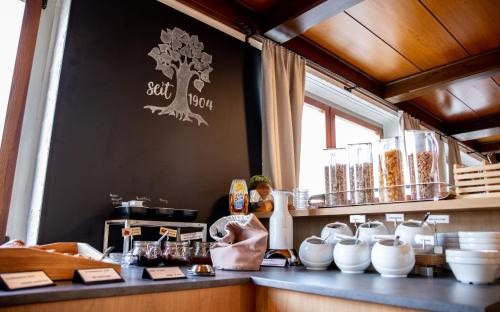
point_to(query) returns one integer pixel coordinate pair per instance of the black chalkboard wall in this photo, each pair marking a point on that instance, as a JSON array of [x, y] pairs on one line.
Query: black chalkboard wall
[[104, 140]]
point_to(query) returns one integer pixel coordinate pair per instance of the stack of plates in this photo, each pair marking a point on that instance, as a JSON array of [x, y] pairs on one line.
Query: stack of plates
[[474, 266], [448, 240], [479, 240]]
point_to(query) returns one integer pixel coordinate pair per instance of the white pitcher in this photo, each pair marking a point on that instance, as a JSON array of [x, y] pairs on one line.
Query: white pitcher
[[281, 223]]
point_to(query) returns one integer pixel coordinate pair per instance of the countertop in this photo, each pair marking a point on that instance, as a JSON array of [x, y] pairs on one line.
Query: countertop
[[436, 294]]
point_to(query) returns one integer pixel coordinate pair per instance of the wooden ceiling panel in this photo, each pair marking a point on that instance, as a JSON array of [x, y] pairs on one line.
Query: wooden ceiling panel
[[481, 95], [409, 28], [352, 42], [445, 106], [491, 139], [262, 5], [474, 23]]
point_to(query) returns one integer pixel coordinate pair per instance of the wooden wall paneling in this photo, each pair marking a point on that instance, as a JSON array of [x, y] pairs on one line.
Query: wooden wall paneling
[[221, 299], [446, 106], [352, 42], [481, 95], [491, 147], [15, 109], [473, 23], [290, 22], [281, 300], [263, 6], [409, 28], [460, 72], [475, 124]]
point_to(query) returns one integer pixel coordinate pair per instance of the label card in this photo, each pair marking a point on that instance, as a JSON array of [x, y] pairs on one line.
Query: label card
[[23, 280], [274, 262], [158, 274], [357, 218], [191, 236], [97, 276], [395, 217], [445, 219], [428, 239], [131, 231], [171, 232]]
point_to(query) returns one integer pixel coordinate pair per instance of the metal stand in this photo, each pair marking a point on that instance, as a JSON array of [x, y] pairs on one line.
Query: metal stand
[[149, 223]]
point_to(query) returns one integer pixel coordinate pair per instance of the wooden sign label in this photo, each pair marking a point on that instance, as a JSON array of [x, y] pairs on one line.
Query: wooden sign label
[[158, 274], [23, 280]]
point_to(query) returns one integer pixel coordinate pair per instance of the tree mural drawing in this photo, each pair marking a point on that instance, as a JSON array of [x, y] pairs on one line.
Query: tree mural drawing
[[182, 55]]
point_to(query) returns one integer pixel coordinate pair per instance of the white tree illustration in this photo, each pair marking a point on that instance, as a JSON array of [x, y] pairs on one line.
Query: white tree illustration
[[182, 55]]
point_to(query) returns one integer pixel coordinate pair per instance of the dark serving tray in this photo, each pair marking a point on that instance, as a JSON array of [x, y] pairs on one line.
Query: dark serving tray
[[156, 213]]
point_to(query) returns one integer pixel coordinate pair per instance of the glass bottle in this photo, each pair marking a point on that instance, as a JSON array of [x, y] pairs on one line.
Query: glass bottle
[[422, 149], [238, 197], [391, 170], [335, 173], [360, 172]]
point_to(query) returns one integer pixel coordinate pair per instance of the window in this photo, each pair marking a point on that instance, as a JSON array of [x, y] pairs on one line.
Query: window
[[11, 17], [325, 126]]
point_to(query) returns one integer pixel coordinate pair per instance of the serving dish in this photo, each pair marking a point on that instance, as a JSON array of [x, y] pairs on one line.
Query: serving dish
[[328, 232], [352, 256], [474, 266], [315, 253], [393, 258]]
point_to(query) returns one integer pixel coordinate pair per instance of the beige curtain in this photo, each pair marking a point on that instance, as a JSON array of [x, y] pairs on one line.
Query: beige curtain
[[283, 100], [409, 123], [453, 158]]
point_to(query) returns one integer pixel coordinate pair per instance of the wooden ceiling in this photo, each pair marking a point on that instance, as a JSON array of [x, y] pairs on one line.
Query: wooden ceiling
[[437, 59]]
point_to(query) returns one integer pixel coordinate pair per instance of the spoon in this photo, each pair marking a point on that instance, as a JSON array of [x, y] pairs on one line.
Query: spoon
[[425, 219], [324, 240], [162, 237], [396, 241], [356, 237], [106, 252]]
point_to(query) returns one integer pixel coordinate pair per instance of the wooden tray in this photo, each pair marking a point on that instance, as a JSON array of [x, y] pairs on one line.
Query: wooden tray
[[477, 181], [52, 260]]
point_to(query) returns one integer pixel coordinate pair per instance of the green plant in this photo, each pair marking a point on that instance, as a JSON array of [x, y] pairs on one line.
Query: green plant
[[256, 179]]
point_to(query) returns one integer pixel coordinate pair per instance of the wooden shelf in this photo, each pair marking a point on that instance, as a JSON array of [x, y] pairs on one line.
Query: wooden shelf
[[451, 205]]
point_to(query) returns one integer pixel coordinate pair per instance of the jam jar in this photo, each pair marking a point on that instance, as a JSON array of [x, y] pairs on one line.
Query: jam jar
[[201, 253], [176, 253], [148, 253]]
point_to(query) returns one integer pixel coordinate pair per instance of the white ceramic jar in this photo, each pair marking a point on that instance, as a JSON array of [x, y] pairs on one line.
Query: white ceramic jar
[[352, 256], [407, 231], [369, 229], [393, 260], [331, 229], [315, 254]]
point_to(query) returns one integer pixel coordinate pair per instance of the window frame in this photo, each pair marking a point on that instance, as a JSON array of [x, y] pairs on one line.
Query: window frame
[[331, 112]]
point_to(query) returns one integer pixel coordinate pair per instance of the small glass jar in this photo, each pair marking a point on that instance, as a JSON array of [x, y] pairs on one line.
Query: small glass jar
[[335, 166], [148, 253], [391, 170], [360, 173], [176, 253], [201, 253]]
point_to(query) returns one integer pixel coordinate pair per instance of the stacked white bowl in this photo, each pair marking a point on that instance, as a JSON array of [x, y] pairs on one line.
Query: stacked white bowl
[[474, 266], [448, 240], [479, 240]]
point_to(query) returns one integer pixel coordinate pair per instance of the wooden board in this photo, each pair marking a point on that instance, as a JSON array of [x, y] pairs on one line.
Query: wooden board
[[57, 265], [446, 106], [220, 299], [346, 38]]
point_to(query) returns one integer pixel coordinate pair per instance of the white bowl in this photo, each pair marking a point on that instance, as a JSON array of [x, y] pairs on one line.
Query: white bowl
[[477, 254], [473, 260], [352, 257], [316, 254], [474, 246], [330, 229], [393, 261], [407, 231], [474, 273], [480, 240], [369, 229], [479, 234]]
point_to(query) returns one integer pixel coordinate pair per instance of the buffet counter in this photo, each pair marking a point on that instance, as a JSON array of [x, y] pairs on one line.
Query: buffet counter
[[271, 289]]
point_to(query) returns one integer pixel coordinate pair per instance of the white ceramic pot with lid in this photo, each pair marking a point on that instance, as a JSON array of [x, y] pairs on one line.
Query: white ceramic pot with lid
[[315, 253], [369, 229], [352, 255], [393, 257], [328, 232], [408, 229]]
